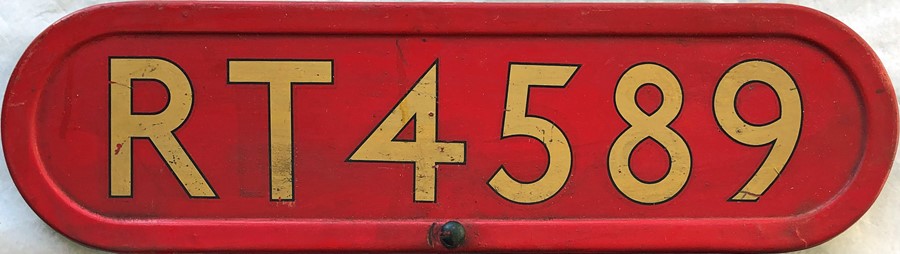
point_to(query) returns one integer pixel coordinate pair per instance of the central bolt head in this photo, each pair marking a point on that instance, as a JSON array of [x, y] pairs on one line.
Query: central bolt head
[[452, 234]]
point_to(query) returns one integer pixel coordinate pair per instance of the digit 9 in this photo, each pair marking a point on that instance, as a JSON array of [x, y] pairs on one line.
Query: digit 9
[[782, 133]]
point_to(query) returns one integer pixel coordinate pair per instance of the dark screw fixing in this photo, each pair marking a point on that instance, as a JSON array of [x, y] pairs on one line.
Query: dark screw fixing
[[452, 234]]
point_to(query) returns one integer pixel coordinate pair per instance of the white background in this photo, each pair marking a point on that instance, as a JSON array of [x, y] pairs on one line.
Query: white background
[[877, 21]]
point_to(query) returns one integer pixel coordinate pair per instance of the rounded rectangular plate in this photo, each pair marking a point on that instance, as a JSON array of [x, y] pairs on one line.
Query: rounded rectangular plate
[[263, 126]]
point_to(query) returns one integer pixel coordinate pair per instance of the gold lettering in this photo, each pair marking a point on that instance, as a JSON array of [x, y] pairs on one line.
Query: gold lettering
[[159, 128], [419, 105], [280, 75], [517, 123]]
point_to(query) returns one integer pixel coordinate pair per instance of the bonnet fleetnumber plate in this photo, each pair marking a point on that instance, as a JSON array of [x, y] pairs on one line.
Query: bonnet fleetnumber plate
[[432, 127]]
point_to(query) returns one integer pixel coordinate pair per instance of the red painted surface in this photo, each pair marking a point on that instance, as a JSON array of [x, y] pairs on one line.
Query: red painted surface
[[55, 126]]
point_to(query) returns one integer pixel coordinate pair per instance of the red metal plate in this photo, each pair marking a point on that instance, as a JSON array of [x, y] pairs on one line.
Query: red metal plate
[[531, 88]]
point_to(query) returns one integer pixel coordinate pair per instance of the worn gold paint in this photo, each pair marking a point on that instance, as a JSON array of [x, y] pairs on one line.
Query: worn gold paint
[[420, 103], [124, 125], [784, 131], [279, 75], [521, 78], [645, 126]]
